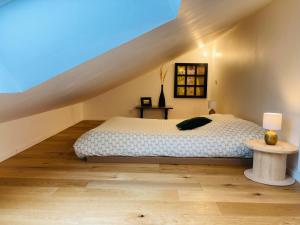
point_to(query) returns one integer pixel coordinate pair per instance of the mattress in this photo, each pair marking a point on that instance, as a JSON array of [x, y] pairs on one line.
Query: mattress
[[121, 136]]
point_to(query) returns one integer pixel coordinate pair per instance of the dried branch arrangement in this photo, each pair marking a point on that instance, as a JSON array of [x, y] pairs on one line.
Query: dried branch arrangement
[[163, 73]]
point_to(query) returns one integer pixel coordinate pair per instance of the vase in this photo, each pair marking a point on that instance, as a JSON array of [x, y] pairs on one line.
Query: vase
[[162, 101]]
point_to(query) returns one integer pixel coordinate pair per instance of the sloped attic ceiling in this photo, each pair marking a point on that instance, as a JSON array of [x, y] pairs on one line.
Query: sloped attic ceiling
[[197, 20]]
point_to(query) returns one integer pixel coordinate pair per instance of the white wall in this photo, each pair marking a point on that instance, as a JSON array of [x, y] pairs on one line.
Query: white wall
[[18, 135], [259, 70], [121, 101]]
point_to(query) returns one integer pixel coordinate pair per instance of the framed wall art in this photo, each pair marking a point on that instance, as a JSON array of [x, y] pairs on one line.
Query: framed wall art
[[190, 80]]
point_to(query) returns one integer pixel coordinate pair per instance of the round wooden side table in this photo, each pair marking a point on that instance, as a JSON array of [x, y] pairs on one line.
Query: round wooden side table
[[269, 162]]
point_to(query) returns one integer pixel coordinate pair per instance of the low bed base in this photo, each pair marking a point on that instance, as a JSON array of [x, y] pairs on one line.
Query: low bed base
[[171, 160]]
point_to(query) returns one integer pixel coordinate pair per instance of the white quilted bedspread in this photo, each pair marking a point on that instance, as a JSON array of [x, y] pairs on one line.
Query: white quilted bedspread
[[121, 136]]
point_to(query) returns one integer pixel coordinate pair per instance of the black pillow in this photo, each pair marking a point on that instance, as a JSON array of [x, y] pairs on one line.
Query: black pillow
[[193, 123]]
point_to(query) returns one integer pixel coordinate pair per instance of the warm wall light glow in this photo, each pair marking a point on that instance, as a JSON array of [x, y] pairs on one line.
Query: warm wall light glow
[[217, 54], [205, 54], [201, 44]]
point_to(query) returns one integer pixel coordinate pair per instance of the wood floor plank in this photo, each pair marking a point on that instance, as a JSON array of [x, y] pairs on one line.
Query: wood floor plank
[[42, 182], [250, 196], [259, 209], [47, 184]]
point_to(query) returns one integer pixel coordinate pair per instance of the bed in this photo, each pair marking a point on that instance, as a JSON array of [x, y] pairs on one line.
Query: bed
[[135, 137]]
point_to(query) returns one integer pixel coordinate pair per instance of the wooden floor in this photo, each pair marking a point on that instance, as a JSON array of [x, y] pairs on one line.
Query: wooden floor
[[47, 184]]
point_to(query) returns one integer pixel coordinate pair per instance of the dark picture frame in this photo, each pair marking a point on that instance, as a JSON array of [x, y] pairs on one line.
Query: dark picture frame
[[190, 80], [146, 101]]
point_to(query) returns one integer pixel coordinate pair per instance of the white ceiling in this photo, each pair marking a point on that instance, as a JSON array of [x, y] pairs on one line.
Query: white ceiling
[[198, 20]]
